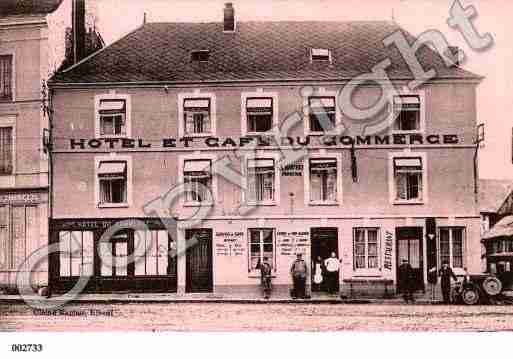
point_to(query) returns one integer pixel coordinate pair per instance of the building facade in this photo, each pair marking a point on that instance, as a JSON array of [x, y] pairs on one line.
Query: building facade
[[191, 109], [32, 47]]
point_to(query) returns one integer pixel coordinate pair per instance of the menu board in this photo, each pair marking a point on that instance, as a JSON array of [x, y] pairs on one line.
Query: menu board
[[293, 243], [229, 244]]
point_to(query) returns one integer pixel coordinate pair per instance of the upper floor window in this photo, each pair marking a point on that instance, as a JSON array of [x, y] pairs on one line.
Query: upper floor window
[[200, 55], [197, 116], [366, 249], [112, 117], [6, 77], [322, 114], [259, 114], [407, 113], [6, 150], [261, 177], [112, 177], [408, 174], [319, 54], [323, 180], [198, 175], [451, 246]]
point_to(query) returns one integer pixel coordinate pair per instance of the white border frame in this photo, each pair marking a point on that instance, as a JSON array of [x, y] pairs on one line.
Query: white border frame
[[367, 273], [277, 178], [405, 91], [13, 80], [129, 180], [260, 93], [198, 156], [213, 112], [128, 115], [9, 180], [321, 92], [391, 179], [306, 178]]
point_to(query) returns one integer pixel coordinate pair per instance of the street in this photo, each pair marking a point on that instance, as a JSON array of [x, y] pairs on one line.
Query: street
[[255, 317]]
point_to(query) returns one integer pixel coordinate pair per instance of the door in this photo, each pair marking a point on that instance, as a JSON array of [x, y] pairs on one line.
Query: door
[[323, 242], [199, 276], [409, 248]]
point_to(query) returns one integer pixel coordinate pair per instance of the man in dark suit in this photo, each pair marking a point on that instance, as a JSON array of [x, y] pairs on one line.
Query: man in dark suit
[[446, 274], [406, 281]]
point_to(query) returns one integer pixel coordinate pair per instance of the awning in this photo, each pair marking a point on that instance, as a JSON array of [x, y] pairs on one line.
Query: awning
[[112, 105], [408, 162], [254, 163], [320, 52], [196, 166], [110, 168], [315, 161], [322, 102], [407, 101], [259, 103], [197, 103]]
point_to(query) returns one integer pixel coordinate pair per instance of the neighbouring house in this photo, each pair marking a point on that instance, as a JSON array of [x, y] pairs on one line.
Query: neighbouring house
[[495, 201], [192, 108], [32, 47]]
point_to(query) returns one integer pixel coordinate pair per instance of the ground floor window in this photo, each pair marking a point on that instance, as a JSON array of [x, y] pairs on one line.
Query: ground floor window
[[451, 246], [76, 257], [366, 248], [261, 245], [152, 251]]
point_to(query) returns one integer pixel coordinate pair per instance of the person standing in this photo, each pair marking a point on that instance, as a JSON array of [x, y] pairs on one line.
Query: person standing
[[265, 274], [406, 281], [332, 265], [446, 274], [299, 271]]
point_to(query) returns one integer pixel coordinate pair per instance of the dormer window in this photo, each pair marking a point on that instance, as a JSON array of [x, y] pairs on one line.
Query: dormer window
[[200, 55], [319, 54]]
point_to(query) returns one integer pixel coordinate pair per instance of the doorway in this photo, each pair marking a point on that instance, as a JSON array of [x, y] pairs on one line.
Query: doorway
[[409, 248], [324, 241], [199, 273]]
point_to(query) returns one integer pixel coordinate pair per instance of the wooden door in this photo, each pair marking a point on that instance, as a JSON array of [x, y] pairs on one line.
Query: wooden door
[[199, 274], [409, 248]]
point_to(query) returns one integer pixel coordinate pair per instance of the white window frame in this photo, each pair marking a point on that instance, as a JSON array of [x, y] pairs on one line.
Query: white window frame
[[330, 55], [392, 188], [8, 180], [181, 178], [277, 177], [128, 114], [306, 179], [367, 271], [129, 184], [422, 118], [258, 94], [213, 117], [13, 75], [306, 117], [451, 254], [273, 260]]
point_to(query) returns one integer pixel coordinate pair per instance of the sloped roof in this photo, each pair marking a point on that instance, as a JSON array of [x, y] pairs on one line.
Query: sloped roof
[[160, 52], [503, 228], [28, 7], [492, 194]]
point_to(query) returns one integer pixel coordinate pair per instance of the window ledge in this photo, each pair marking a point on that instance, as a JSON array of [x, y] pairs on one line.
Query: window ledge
[[113, 205], [327, 203], [406, 132], [316, 133], [266, 133], [398, 202], [199, 135], [262, 203], [104, 137], [198, 204]]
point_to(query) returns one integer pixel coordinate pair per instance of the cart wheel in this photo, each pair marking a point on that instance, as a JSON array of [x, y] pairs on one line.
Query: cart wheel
[[492, 286], [470, 295]]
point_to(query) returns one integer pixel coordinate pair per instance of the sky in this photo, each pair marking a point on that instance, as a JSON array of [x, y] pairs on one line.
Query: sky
[[494, 95]]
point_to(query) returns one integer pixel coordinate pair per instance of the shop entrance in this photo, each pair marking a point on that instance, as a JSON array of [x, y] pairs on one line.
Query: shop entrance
[[199, 277], [324, 241], [409, 248]]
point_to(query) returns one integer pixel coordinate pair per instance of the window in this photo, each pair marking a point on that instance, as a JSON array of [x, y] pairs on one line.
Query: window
[[323, 180], [112, 176], [198, 175], [261, 245], [320, 55], [76, 255], [322, 114], [152, 251], [6, 153], [408, 178], [451, 246], [366, 248], [261, 180], [259, 114], [197, 116], [407, 113], [112, 117], [6, 77], [200, 55]]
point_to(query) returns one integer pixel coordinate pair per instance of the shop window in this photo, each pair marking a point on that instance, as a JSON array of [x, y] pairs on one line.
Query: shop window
[[152, 252], [322, 114], [408, 179], [451, 246], [76, 255], [323, 180], [197, 116], [112, 176], [261, 245], [407, 113], [6, 77], [6, 150], [261, 180], [198, 175], [366, 248], [259, 114], [112, 113]]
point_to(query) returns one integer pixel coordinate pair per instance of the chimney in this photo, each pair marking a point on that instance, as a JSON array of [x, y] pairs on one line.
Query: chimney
[[229, 17], [78, 30], [456, 55]]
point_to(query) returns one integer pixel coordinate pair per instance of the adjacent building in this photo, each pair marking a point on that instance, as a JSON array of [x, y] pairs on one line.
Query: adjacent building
[[198, 104]]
